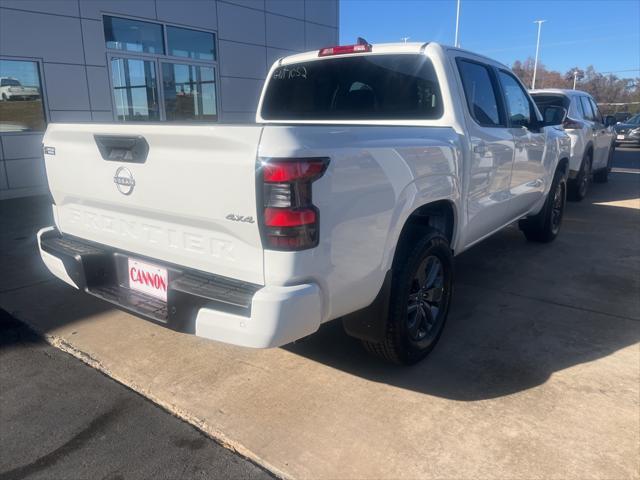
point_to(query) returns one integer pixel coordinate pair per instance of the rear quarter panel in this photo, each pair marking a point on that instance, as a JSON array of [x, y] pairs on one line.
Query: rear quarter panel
[[377, 176]]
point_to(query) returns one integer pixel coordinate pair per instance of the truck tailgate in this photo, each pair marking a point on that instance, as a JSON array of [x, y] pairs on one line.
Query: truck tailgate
[[190, 202]]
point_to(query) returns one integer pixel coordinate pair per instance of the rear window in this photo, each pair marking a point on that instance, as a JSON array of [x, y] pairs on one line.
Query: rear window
[[372, 87], [9, 82], [551, 100]]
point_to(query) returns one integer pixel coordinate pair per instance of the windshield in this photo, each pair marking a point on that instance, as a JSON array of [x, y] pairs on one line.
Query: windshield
[[9, 82], [369, 87]]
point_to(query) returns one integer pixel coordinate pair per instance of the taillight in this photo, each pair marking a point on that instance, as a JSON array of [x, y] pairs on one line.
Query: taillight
[[343, 50], [361, 47], [571, 124], [290, 221]]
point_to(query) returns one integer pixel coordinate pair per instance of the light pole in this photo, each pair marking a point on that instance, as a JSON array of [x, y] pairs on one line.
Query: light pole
[[575, 77], [457, 43], [535, 65]]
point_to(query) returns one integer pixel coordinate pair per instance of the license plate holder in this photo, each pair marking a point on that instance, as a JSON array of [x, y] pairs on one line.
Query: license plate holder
[[147, 278]]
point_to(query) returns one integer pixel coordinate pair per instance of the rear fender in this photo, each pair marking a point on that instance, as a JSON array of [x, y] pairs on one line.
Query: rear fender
[[423, 191]]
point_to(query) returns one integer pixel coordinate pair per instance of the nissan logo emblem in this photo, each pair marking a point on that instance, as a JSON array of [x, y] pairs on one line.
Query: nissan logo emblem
[[124, 181]]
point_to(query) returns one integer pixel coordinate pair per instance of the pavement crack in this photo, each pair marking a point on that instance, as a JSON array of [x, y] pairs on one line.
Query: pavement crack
[[94, 428], [15, 289]]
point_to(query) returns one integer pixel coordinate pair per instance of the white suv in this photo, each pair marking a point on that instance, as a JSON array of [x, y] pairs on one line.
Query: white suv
[[592, 138]]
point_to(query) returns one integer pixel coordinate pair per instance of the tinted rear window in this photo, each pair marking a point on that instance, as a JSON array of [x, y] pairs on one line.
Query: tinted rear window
[[380, 87], [9, 82], [551, 100]]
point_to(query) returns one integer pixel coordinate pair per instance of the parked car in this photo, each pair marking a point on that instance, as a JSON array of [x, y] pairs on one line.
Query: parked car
[[592, 137], [12, 89], [628, 132], [622, 117], [369, 168]]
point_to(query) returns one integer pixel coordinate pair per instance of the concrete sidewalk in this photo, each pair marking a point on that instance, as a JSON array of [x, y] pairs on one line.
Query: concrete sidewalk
[[536, 376]]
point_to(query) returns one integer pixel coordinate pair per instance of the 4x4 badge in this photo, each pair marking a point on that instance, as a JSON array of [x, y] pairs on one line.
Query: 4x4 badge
[[239, 218]]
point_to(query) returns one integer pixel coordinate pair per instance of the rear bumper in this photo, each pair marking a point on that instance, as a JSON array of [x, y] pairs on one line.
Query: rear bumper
[[206, 305]]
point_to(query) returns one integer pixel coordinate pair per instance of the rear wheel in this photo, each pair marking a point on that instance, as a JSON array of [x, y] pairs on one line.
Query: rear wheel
[[545, 226], [421, 291], [602, 175], [578, 188]]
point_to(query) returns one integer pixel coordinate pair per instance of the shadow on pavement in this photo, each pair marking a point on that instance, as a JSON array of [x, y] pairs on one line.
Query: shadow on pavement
[[522, 311]]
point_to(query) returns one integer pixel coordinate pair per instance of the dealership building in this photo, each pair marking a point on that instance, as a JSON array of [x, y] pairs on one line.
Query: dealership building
[[138, 61]]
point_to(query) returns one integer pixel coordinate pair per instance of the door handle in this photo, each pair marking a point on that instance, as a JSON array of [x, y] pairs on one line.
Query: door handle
[[121, 148], [481, 149]]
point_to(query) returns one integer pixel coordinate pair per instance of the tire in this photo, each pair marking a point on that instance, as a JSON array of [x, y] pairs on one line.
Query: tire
[[4, 97], [602, 175], [545, 226], [578, 188], [421, 290]]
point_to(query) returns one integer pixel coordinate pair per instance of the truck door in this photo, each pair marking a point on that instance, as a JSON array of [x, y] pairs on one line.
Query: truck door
[[528, 175], [591, 129], [491, 156], [602, 138]]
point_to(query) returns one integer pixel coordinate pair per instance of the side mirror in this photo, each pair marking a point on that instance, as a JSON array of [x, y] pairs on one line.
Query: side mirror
[[609, 120], [553, 115]]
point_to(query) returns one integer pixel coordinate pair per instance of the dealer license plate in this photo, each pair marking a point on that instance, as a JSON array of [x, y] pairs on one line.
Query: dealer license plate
[[148, 279]]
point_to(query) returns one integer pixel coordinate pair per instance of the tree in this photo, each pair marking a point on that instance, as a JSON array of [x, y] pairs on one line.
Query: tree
[[578, 72], [606, 89]]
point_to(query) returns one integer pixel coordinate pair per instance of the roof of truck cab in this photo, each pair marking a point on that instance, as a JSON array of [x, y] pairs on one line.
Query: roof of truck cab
[[382, 48], [560, 91], [412, 47]]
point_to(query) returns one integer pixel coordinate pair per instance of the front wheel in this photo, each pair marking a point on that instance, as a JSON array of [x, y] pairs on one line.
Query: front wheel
[[545, 226], [421, 290]]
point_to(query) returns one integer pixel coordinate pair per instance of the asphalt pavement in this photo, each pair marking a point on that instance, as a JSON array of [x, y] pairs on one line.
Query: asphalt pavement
[[627, 157], [61, 419]]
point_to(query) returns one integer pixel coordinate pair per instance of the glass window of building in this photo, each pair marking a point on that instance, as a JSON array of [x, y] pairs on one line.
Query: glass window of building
[[188, 89], [182, 42], [135, 91], [21, 108], [133, 35], [189, 92]]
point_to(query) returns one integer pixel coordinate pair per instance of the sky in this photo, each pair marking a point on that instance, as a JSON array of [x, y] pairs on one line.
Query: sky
[[602, 33]]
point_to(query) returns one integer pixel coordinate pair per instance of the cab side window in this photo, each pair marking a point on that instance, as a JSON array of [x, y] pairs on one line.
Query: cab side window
[[588, 112], [480, 92], [596, 112], [518, 105], [578, 104]]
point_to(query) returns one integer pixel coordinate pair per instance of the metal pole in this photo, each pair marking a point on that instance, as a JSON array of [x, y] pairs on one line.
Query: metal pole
[[535, 65], [457, 43], [575, 77]]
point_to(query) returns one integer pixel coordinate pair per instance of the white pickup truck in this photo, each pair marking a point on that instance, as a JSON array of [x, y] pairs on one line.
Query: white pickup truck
[[369, 167]]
